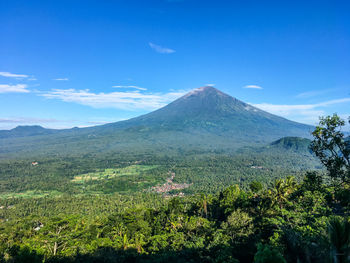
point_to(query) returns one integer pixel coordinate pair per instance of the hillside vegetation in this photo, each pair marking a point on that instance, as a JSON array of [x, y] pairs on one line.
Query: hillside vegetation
[[302, 218]]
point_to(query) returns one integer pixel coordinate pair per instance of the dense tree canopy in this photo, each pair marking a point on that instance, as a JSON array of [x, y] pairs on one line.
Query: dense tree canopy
[[286, 219]]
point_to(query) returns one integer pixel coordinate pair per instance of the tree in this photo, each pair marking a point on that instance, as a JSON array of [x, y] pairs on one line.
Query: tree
[[332, 148], [256, 186], [203, 202], [57, 234], [231, 198], [24, 255], [312, 182], [266, 254], [239, 225], [339, 239], [281, 190]]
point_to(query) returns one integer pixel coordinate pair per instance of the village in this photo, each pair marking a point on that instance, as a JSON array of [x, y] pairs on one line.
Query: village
[[169, 186]]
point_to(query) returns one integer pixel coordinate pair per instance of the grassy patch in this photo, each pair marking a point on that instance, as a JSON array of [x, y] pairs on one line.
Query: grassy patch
[[113, 173], [30, 194], [128, 179]]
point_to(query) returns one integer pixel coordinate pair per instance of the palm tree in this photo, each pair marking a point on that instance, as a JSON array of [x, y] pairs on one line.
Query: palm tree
[[125, 242], [291, 184], [278, 192], [139, 242], [339, 239], [203, 205], [282, 189]]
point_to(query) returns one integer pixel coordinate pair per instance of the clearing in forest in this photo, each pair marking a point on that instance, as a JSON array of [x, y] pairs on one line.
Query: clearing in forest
[[112, 173]]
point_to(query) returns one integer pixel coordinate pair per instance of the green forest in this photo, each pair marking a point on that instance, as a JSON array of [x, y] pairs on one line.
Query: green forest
[[271, 205]]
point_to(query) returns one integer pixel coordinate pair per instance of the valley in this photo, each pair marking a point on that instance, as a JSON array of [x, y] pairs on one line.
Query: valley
[[174, 131], [180, 182], [207, 138]]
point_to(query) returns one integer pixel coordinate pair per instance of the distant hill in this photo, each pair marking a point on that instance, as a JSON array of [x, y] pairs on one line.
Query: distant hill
[[23, 131], [296, 144], [204, 119]]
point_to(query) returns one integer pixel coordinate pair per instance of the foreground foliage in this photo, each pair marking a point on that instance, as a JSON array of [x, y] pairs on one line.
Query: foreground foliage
[[288, 220]]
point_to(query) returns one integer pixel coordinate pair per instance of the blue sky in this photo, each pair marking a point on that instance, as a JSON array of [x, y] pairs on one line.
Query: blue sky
[[82, 63]]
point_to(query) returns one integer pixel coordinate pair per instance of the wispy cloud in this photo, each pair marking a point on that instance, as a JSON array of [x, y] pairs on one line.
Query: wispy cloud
[[128, 100], [252, 87], [18, 88], [313, 93], [11, 122], [209, 85], [331, 102], [61, 79], [160, 49], [308, 113], [129, 87], [12, 75], [26, 120]]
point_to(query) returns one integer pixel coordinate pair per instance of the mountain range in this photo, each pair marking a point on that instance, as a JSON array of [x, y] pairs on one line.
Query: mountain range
[[204, 119]]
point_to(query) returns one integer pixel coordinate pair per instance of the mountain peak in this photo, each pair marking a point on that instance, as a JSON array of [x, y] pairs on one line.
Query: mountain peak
[[204, 90], [202, 105]]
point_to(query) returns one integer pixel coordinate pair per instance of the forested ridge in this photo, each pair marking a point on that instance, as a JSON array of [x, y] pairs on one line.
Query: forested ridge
[[281, 218]]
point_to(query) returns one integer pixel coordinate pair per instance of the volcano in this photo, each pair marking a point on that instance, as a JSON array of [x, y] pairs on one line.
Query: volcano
[[204, 119]]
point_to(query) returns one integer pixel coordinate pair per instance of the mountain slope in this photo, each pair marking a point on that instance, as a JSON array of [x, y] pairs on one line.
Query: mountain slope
[[205, 119], [209, 110]]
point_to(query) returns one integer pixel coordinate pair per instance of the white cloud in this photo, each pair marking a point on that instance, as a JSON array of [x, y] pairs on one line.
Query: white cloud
[[129, 100], [7, 123], [252, 87], [313, 93], [128, 87], [11, 75], [308, 113], [210, 85], [62, 79], [26, 120], [331, 102], [18, 88], [160, 49]]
